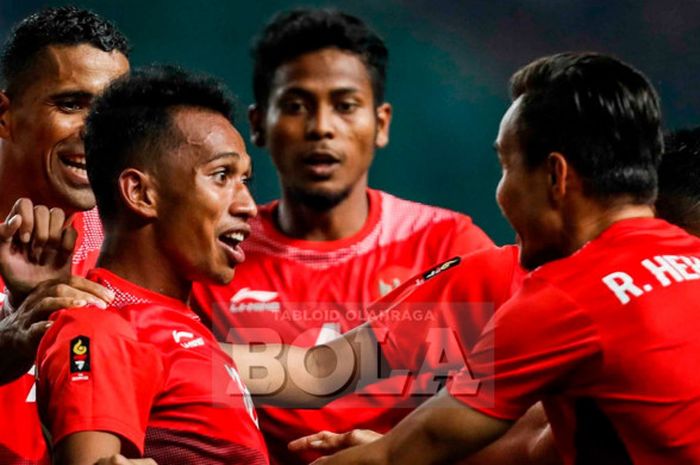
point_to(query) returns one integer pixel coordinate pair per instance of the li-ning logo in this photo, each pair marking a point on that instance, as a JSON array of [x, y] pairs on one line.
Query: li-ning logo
[[190, 341], [261, 301]]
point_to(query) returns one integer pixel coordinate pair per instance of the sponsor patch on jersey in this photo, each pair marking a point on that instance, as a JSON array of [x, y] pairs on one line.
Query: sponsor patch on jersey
[[80, 358], [444, 266]]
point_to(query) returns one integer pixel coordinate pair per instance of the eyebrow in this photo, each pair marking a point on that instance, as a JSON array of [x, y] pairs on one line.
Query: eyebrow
[[306, 93], [77, 94], [221, 155]]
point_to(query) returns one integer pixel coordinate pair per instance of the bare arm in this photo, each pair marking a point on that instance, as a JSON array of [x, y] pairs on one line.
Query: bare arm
[[298, 377], [529, 441], [93, 448], [440, 431]]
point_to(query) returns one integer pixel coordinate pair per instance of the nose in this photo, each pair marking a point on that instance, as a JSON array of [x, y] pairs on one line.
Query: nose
[[320, 123], [243, 204]]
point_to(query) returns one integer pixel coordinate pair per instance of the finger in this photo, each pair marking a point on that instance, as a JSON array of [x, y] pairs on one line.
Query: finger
[[40, 233], [143, 462], [25, 208], [85, 289], [57, 219], [359, 437], [68, 238], [65, 249], [93, 288], [9, 228], [42, 310], [313, 441]]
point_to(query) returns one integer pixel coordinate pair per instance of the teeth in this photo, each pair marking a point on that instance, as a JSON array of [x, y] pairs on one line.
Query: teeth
[[235, 236]]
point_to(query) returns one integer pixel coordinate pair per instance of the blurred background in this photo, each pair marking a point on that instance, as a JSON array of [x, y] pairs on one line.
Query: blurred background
[[448, 73]]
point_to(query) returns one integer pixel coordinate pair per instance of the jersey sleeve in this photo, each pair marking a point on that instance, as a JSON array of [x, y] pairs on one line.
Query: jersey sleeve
[[440, 319], [535, 342], [94, 375], [467, 237]]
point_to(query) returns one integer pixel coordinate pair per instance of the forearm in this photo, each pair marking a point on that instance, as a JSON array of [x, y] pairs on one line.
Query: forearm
[[13, 362], [86, 448], [295, 377], [441, 431]]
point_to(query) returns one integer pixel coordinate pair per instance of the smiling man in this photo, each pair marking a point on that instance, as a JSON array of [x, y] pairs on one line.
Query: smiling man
[[53, 64], [330, 245], [170, 174]]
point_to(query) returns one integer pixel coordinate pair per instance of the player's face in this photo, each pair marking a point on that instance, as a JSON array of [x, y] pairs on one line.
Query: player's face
[[46, 121], [322, 126], [203, 200], [523, 196]]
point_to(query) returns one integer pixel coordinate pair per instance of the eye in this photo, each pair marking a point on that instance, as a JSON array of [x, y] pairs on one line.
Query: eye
[[347, 106], [222, 175], [71, 105], [292, 107]]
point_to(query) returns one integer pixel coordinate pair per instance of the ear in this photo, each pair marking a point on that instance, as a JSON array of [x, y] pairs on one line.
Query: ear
[[5, 132], [137, 190], [384, 111], [256, 118], [559, 171]]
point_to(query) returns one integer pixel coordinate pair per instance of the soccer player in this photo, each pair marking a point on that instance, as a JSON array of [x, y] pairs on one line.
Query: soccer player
[[604, 329], [679, 180], [330, 245], [53, 63], [169, 172]]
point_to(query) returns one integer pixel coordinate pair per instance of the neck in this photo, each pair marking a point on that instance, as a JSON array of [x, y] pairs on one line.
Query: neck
[[598, 218], [135, 256], [297, 220]]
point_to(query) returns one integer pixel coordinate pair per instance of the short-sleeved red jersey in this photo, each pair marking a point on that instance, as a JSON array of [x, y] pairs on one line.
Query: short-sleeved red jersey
[[431, 322], [307, 292], [147, 370], [608, 339], [21, 439]]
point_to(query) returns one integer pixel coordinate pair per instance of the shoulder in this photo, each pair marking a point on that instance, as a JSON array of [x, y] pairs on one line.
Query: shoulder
[[90, 322]]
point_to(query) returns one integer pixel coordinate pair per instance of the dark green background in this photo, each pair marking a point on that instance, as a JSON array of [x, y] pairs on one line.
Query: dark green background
[[449, 66]]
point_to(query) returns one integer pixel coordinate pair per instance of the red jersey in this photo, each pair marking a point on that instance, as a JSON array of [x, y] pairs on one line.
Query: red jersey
[[429, 324], [608, 339], [147, 370], [21, 439], [308, 292]]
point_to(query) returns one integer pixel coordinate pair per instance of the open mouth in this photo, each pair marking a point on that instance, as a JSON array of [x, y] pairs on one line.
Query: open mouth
[[232, 245], [232, 239], [321, 165], [75, 167]]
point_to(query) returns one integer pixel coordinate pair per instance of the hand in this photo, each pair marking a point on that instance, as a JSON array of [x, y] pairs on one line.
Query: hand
[[21, 331], [35, 246], [329, 443], [121, 460]]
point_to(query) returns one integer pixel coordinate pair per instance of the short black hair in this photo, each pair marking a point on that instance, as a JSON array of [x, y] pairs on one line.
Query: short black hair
[[296, 32], [66, 25], [131, 124], [679, 180], [601, 113]]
